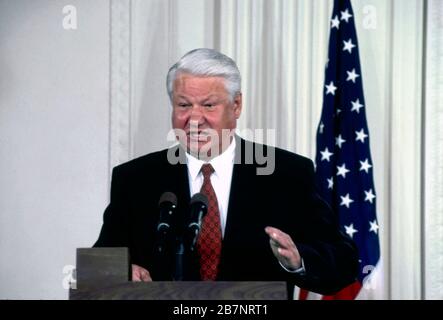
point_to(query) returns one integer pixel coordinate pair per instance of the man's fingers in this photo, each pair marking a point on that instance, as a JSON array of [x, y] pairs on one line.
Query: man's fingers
[[146, 276], [279, 239], [285, 253], [274, 243], [136, 276], [270, 230], [282, 252], [140, 274], [283, 248]]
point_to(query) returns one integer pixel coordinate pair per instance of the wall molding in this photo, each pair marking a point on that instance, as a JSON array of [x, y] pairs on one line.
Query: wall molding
[[405, 230], [120, 73], [433, 213]]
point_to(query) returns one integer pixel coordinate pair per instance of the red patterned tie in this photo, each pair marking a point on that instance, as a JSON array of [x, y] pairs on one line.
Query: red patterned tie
[[210, 239]]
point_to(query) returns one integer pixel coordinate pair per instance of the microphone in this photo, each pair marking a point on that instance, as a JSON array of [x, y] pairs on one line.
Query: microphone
[[167, 206], [198, 208]]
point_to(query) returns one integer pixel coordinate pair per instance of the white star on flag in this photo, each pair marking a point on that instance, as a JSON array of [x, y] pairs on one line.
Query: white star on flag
[[346, 201], [356, 106], [339, 141], [365, 166], [335, 23], [330, 183], [321, 127], [348, 45], [345, 15], [326, 155], [361, 135], [342, 171], [330, 89], [369, 195], [352, 75], [350, 230], [373, 226]]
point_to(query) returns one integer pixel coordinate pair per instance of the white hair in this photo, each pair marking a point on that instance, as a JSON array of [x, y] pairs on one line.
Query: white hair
[[207, 63]]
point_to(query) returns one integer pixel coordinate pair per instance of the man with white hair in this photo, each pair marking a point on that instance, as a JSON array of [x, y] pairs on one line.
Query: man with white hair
[[259, 227]]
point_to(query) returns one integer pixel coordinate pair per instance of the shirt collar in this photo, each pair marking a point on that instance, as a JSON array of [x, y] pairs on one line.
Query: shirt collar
[[221, 163]]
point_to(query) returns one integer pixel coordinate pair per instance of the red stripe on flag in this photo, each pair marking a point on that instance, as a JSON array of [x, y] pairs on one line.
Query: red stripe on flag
[[348, 293], [303, 294]]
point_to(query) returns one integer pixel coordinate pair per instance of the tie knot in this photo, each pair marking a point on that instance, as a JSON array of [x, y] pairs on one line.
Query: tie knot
[[207, 170]]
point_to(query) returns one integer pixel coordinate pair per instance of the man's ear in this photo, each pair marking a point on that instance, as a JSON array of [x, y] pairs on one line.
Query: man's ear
[[238, 104]]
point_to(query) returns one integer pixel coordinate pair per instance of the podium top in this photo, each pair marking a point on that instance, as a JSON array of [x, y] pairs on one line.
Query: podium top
[[186, 290]]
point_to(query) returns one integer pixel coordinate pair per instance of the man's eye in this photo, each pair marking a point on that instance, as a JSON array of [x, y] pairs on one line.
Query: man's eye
[[184, 105], [208, 105]]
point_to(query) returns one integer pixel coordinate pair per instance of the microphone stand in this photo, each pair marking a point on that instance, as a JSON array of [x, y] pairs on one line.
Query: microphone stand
[[186, 239], [185, 246], [179, 259]]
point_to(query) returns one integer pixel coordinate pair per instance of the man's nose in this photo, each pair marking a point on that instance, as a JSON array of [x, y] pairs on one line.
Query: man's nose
[[197, 115]]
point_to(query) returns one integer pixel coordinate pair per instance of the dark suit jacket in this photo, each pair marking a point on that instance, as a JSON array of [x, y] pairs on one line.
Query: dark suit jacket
[[286, 199]]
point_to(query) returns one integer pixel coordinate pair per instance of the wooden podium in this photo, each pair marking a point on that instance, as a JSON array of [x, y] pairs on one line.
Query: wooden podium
[[104, 274]]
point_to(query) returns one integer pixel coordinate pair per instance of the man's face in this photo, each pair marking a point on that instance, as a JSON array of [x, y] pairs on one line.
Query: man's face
[[203, 110]]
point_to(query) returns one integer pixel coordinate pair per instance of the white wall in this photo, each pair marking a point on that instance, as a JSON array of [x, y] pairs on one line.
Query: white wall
[[54, 115]]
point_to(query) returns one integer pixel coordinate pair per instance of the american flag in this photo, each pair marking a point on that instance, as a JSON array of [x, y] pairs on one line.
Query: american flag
[[344, 168]]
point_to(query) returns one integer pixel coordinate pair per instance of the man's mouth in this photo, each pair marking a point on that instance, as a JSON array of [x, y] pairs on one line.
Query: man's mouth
[[199, 136]]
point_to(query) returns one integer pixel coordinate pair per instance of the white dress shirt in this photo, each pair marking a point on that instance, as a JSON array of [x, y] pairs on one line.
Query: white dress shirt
[[223, 165]]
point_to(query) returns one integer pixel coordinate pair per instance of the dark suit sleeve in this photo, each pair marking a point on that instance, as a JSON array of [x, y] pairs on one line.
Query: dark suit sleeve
[[114, 232], [329, 256]]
